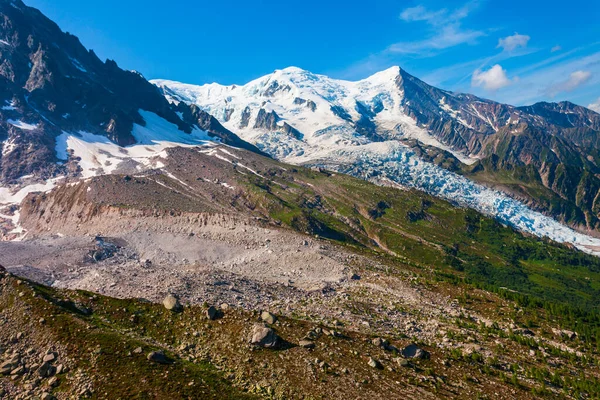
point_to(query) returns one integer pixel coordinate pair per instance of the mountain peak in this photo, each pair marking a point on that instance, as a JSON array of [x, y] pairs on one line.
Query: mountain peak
[[292, 70], [385, 75]]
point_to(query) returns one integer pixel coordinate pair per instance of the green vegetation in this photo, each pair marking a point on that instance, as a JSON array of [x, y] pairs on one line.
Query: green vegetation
[[424, 233]]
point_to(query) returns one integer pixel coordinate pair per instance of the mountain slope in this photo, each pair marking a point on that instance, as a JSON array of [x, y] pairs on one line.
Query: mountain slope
[[354, 272], [50, 84]]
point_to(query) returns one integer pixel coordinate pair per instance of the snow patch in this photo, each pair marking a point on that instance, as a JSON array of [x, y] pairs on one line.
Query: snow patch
[[77, 64], [9, 107], [10, 196], [22, 125], [98, 155]]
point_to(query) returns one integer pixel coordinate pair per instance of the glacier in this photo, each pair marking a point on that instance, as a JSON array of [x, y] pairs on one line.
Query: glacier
[[383, 162]]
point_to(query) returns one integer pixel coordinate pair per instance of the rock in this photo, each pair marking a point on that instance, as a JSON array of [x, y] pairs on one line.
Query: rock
[[212, 313], [354, 277], [379, 342], [138, 350], [564, 334], [402, 362], [413, 351], [264, 336], [158, 357], [60, 369], [49, 358], [268, 317], [52, 382], [18, 371], [171, 303], [307, 344], [15, 359], [46, 370], [6, 367], [311, 335], [47, 396], [373, 363]]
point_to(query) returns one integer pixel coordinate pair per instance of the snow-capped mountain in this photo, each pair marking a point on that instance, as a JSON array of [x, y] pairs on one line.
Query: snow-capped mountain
[[315, 112], [292, 113], [363, 128]]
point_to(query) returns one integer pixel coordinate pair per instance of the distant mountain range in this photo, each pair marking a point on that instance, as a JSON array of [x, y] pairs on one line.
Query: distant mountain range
[[545, 154]]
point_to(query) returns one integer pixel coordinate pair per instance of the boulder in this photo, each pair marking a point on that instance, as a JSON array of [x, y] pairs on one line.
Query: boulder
[[379, 342], [158, 357], [564, 334], [212, 313], [49, 358], [373, 363], [137, 350], [413, 351], [264, 336], [171, 303], [354, 277], [384, 344], [6, 367], [46, 370], [402, 362], [268, 317], [18, 371]]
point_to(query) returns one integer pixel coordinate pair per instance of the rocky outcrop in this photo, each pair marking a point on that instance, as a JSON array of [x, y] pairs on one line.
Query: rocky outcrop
[[246, 114], [266, 120], [195, 116], [275, 87]]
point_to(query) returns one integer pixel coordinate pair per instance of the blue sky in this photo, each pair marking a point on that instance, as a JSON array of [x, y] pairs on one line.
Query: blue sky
[[514, 51]]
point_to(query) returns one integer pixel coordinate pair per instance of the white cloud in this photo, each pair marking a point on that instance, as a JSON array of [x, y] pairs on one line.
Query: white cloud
[[492, 79], [575, 80], [556, 48], [420, 13], [534, 79], [448, 36], [595, 106], [511, 43], [445, 26]]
